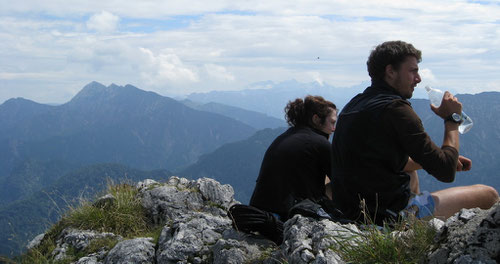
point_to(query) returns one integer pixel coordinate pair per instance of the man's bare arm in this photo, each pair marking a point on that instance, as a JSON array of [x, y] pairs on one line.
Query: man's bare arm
[[449, 105]]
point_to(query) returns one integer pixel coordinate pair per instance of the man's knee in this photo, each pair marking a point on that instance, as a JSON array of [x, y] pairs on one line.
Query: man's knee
[[489, 193]]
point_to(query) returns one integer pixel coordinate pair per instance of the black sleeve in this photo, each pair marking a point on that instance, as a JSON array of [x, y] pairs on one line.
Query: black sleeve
[[409, 131]]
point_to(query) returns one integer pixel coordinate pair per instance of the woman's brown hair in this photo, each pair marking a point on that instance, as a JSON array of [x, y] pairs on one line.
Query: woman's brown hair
[[300, 112]]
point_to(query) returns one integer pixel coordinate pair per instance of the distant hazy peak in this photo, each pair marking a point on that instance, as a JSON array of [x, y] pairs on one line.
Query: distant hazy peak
[[129, 86], [90, 90], [22, 104], [94, 86], [96, 90], [19, 101], [113, 86]]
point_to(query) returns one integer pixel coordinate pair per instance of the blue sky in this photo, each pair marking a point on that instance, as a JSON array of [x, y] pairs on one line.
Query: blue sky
[[50, 49]]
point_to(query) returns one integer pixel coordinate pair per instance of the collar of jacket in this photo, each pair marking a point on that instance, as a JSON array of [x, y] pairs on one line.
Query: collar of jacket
[[320, 132], [315, 130], [381, 86]]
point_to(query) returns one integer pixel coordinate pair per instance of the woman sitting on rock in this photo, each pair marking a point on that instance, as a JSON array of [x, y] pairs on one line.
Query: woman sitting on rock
[[298, 161]]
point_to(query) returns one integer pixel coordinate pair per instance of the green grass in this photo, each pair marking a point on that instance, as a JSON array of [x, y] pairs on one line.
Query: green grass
[[126, 217], [42, 253], [406, 242]]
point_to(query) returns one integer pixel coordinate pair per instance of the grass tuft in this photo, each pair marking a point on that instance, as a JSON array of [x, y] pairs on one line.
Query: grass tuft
[[125, 217], [407, 241]]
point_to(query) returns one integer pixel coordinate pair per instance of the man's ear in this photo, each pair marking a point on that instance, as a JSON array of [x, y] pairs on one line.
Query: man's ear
[[390, 73]]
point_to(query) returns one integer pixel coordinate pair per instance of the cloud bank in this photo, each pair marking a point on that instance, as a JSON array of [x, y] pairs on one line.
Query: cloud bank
[[51, 49]]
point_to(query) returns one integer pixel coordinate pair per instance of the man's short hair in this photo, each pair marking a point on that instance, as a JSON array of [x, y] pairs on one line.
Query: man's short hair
[[390, 53]]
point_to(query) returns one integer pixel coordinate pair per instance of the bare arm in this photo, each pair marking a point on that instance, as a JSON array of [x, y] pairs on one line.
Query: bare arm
[[449, 105], [464, 163], [411, 168], [411, 165], [451, 135], [414, 182]]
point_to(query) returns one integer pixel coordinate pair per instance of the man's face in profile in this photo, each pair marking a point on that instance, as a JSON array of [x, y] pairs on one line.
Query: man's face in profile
[[406, 78]]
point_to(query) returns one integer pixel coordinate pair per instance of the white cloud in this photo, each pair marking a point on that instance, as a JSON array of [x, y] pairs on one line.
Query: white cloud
[[353, 9], [427, 75], [218, 73], [103, 22], [164, 68], [187, 46], [24, 75], [316, 76]]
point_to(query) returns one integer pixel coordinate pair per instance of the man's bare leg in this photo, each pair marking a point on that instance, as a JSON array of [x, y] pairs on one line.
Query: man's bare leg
[[450, 201], [414, 183], [328, 188]]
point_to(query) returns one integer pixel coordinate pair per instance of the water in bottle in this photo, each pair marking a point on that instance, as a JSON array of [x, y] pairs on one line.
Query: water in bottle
[[436, 96]]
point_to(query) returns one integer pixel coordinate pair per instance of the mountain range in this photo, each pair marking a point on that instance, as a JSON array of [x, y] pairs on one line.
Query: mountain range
[[94, 126], [45, 145], [254, 119], [271, 98], [51, 155]]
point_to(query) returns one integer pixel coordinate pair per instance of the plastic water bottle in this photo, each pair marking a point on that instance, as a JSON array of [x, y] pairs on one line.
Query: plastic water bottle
[[436, 96]]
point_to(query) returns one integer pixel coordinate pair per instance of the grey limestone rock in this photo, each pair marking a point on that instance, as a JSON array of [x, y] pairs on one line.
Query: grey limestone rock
[[197, 229], [88, 260], [229, 251], [137, 250], [470, 236], [179, 196], [167, 202], [438, 225], [307, 240], [94, 258], [191, 236], [106, 201], [172, 200], [78, 240], [220, 194], [237, 247], [147, 183]]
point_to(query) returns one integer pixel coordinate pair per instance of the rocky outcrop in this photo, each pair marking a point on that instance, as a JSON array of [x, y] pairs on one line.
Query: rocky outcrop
[[137, 250], [197, 229], [470, 236], [307, 240], [77, 240]]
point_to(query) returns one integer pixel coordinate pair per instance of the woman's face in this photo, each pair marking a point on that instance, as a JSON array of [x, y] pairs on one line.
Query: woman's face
[[328, 126]]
